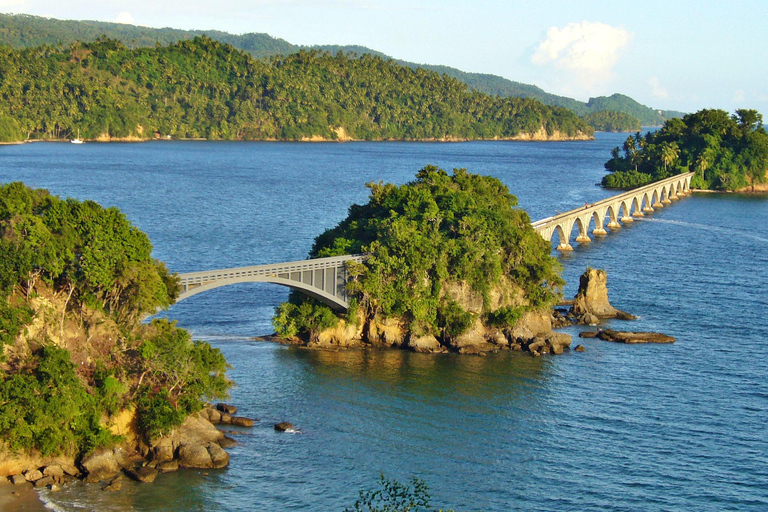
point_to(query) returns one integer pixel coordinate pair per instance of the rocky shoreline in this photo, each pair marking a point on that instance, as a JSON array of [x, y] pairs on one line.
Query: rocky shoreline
[[534, 333], [196, 443]]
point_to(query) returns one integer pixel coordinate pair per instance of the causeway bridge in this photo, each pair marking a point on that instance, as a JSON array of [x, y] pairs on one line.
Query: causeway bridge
[[622, 207], [325, 279]]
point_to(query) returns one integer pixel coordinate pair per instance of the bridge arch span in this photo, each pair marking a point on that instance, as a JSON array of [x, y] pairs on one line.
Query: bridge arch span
[[324, 279]]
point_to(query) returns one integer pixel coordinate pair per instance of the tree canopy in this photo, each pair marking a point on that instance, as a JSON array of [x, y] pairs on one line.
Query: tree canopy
[[424, 236], [726, 152], [83, 275], [201, 88]]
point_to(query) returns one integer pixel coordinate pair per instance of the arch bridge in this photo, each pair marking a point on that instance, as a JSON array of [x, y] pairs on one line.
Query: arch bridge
[[622, 207], [325, 279]]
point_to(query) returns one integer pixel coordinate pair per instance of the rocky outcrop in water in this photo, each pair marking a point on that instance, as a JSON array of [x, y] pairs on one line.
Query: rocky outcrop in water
[[591, 302], [634, 337]]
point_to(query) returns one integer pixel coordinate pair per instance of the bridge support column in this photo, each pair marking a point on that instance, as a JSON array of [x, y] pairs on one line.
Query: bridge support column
[[638, 214], [667, 201], [627, 218], [658, 205], [674, 197], [564, 247], [601, 231], [648, 209], [583, 239], [615, 225]]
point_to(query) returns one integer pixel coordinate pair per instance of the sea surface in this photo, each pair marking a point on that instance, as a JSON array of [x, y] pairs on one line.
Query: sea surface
[[677, 427]]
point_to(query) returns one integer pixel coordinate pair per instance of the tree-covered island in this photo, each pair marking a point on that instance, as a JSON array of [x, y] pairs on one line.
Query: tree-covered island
[[453, 265], [201, 88], [80, 374], [726, 153]]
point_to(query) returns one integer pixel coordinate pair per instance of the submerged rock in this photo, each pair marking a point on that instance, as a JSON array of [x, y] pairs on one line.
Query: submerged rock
[[283, 426], [634, 337]]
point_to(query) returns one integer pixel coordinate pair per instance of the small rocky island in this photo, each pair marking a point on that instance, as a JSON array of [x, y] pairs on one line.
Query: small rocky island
[[453, 266]]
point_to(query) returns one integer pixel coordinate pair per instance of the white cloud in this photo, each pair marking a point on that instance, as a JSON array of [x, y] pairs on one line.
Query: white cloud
[[738, 95], [657, 89], [124, 17], [588, 49]]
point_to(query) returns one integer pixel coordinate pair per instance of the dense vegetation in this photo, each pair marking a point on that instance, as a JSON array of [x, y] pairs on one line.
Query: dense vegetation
[[202, 88], [421, 238], [86, 277], [726, 152], [612, 121], [24, 31]]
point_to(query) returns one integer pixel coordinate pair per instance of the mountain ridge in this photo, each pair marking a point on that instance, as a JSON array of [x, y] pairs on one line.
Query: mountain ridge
[[23, 30]]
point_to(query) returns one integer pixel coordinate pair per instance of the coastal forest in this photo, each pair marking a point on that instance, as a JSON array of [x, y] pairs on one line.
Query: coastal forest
[[76, 280], [446, 252], [25, 31], [727, 152], [201, 88]]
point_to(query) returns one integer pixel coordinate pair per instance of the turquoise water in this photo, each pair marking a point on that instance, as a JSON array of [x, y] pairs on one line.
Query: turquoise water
[[667, 427]]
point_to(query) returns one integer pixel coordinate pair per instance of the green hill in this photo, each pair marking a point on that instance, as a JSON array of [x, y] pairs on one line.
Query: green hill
[[201, 88], [24, 31]]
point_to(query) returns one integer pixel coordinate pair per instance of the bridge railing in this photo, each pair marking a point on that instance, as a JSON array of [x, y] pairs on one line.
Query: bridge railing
[[630, 194]]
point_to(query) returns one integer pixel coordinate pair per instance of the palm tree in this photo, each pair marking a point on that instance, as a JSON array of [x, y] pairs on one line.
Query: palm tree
[[670, 152]]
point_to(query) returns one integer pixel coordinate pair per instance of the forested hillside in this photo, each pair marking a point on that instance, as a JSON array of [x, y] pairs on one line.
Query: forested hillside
[[203, 88], [21, 31]]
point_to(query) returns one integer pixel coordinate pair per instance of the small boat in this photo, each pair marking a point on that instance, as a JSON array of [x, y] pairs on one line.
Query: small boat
[[78, 140]]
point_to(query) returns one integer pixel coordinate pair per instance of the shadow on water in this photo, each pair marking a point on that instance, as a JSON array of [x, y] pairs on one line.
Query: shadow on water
[[502, 374]]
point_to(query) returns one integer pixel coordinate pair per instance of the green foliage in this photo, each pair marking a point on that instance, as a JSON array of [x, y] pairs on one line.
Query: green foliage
[[48, 408], [201, 88], [612, 121], [506, 316], [93, 249], [308, 316], [177, 374], [437, 231], [98, 260], [392, 496], [10, 131], [726, 152], [157, 415]]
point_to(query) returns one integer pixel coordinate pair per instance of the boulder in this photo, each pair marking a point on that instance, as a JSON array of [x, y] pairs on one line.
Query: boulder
[[283, 426], [592, 298], [219, 457], [557, 342], [634, 337], [46, 480], [162, 450], [227, 442], [214, 416], [100, 465], [580, 348], [70, 469], [588, 334], [241, 421], [168, 466], [143, 474], [229, 409], [425, 344], [55, 471], [386, 331], [194, 455], [17, 479], [115, 484], [32, 475]]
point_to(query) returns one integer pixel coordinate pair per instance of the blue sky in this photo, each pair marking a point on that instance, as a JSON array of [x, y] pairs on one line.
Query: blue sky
[[681, 55]]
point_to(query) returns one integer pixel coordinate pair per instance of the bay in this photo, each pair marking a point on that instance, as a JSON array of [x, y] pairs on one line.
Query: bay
[[674, 427]]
